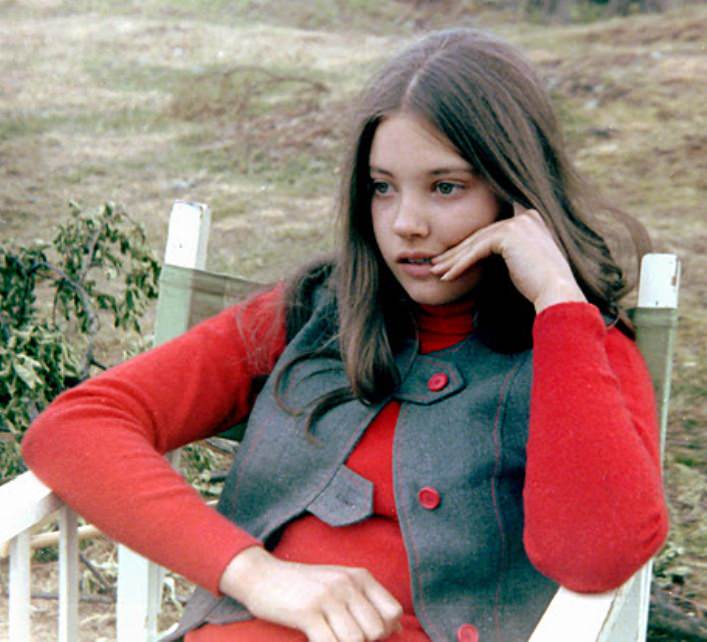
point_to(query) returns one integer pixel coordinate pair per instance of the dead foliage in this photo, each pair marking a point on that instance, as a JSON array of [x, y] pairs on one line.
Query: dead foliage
[[263, 117]]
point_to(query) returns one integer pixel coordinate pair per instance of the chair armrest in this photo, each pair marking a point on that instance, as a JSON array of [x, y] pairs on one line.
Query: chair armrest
[[573, 616], [25, 501], [582, 617]]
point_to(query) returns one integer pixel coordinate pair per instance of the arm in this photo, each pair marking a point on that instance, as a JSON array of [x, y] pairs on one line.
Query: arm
[[100, 447], [100, 444], [594, 507]]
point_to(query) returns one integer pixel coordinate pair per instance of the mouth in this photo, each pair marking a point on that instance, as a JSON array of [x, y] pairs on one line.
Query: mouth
[[415, 259]]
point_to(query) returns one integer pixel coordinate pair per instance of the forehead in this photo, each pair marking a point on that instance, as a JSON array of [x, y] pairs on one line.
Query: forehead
[[406, 142]]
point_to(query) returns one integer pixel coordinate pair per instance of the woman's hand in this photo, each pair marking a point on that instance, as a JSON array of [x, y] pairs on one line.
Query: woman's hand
[[535, 263], [326, 603]]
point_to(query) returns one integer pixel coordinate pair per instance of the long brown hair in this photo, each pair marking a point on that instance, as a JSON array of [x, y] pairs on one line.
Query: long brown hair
[[483, 96]]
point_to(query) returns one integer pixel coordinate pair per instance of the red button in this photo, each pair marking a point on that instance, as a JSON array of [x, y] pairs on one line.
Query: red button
[[437, 381], [467, 633], [428, 497]]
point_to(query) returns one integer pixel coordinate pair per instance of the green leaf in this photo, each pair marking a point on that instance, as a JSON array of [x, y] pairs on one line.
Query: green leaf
[[27, 373]]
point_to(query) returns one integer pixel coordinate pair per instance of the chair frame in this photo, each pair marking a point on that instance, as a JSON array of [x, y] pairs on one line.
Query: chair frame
[[616, 616]]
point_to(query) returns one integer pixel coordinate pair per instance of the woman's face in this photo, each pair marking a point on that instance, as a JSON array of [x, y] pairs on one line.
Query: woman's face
[[426, 199]]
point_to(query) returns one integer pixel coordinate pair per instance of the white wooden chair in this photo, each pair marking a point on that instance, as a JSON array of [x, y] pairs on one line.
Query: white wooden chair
[[616, 616]]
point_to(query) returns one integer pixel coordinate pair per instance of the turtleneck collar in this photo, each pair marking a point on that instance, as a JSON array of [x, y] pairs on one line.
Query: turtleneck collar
[[441, 326]]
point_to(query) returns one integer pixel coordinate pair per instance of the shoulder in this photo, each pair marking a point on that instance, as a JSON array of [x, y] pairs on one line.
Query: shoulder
[[578, 329], [310, 289], [570, 325]]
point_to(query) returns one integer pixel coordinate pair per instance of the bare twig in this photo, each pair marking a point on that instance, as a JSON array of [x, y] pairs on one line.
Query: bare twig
[[87, 261], [109, 588], [236, 69], [77, 288], [80, 291]]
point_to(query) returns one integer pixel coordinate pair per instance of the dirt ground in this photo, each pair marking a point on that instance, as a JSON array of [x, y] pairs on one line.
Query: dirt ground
[[244, 105]]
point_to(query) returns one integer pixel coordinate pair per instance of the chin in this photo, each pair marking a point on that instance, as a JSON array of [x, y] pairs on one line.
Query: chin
[[438, 295]]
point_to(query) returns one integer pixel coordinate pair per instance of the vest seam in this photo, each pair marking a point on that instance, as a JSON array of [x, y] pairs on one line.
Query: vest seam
[[503, 396], [417, 576]]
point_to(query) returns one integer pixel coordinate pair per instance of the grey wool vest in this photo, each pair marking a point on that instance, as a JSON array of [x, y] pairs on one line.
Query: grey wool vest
[[461, 432]]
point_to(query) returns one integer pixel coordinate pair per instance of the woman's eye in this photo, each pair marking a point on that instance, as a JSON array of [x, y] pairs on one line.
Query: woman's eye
[[446, 188], [380, 187]]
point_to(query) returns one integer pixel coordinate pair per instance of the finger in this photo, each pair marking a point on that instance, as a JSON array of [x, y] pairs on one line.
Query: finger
[[367, 617], [493, 231], [318, 630], [466, 258], [342, 623], [387, 606]]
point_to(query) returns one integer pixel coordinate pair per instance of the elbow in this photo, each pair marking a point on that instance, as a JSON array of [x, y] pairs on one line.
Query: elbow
[[31, 446], [46, 442], [598, 563], [37, 444]]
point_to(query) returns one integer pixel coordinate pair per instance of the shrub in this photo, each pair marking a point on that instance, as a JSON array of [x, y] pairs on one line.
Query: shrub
[[55, 299]]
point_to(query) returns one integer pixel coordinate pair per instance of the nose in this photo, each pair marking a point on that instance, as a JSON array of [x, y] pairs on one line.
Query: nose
[[410, 219]]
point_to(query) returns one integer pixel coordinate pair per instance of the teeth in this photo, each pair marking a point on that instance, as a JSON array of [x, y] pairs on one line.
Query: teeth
[[419, 261]]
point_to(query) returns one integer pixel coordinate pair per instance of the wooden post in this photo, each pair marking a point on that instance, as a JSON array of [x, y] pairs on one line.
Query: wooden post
[[19, 603], [68, 576], [139, 580], [655, 319]]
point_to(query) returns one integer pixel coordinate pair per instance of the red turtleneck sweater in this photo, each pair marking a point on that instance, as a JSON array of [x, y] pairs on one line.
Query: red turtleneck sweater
[[99, 446]]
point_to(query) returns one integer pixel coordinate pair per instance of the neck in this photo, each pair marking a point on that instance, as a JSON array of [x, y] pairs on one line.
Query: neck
[[441, 326]]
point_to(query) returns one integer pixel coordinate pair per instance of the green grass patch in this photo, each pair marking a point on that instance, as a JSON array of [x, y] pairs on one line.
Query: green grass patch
[[16, 124], [116, 74], [372, 16]]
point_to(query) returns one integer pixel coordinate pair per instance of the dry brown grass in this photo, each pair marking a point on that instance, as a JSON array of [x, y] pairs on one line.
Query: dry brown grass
[[246, 110]]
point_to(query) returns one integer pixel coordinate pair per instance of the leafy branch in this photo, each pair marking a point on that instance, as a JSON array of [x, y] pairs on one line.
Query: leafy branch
[[56, 300]]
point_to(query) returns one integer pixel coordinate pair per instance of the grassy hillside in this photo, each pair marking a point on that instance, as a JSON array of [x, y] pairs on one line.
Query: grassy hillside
[[243, 104]]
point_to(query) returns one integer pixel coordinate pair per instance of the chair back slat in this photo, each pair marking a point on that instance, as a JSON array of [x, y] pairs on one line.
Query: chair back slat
[[655, 336], [655, 319], [188, 296]]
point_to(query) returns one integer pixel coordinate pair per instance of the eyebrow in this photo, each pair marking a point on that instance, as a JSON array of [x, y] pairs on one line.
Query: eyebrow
[[434, 172]]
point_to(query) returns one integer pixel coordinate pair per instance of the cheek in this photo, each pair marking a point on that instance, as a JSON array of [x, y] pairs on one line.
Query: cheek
[[469, 218], [380, 211], [379, 226]]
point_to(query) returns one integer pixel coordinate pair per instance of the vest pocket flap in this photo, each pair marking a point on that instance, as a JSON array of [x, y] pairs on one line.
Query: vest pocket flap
[[430, 380], [346, 499]]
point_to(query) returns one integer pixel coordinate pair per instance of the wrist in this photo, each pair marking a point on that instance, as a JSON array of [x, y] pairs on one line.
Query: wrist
[[238, 577], [559, 293]]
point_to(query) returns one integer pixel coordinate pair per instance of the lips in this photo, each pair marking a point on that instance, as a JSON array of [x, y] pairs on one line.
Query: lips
[[415, 265], [416, 258]]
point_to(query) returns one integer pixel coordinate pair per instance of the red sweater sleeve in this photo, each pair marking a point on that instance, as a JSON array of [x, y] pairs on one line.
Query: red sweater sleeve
[[100, 445], [594, 506]]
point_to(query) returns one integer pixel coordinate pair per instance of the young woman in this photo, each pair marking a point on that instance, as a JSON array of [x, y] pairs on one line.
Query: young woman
[[455, 419]]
